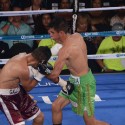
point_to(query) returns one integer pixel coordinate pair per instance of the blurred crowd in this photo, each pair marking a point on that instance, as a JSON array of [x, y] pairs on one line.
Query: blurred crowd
[[92, 21]]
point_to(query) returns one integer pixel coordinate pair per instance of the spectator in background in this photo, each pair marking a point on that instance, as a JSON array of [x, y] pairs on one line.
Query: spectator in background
[[65, 4], [119, 17], [98, 17], [15, 26], [41, 26], [96, 3], [112, 44], [36, 5], [47, 42], [42, 22], [84, 25], [5, 5], [99, 21], [98, 39]]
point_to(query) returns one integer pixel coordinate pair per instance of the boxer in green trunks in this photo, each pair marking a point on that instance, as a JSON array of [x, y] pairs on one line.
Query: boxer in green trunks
[[73, 54], [82, 98]]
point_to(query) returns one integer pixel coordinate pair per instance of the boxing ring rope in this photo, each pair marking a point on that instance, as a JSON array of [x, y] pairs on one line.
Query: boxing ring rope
[[39, 37], [34, 12], [97, 56], [87, 34]]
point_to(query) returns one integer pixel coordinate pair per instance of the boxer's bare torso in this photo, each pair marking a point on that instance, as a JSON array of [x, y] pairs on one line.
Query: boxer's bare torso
[[73, 53], [13, 72], [74, 50]]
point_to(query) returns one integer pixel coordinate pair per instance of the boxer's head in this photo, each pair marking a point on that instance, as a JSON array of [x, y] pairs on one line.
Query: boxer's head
[[57, 28], [59, 24], [41, 54]]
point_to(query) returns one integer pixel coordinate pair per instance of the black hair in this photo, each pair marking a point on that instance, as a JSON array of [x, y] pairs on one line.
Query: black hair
[[42, 53], [39, 27], [59, 24]]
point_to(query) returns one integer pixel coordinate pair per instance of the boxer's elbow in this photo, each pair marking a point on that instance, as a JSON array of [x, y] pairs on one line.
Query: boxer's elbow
[[28, 87]]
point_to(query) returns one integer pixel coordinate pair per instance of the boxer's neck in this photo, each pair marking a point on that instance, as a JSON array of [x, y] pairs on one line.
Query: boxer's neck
[[31, 61]]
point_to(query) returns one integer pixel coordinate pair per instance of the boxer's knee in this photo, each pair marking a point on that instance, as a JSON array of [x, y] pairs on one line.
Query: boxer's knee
[[56, 107], [39, 119]]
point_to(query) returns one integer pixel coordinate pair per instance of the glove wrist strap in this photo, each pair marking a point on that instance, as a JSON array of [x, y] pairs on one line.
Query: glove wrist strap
[[62, 82]]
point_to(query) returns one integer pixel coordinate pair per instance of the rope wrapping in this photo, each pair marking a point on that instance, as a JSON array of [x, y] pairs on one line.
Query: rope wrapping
[[74, 16]]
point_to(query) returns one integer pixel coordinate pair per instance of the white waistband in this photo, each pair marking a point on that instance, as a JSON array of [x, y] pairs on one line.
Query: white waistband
[[75, 77], [9, 91]]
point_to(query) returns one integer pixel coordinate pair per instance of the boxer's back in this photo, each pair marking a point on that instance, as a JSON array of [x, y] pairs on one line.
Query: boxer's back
[[11, 72]]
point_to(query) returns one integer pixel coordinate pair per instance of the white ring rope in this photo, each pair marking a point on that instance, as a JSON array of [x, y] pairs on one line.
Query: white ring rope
[[97, 56], [34, 12]]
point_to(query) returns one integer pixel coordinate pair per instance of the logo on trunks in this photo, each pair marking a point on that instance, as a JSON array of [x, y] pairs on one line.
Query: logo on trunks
[[14, 91]]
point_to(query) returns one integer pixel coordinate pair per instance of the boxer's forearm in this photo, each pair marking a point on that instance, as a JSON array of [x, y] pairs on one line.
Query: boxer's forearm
[[30, 86], [54, 79]]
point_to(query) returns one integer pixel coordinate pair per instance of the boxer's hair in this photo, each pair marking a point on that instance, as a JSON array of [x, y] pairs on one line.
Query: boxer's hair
[[59, 24], [42, 53]]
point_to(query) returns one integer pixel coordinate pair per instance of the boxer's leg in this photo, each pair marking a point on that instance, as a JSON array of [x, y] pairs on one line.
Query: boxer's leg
[[57, 107]]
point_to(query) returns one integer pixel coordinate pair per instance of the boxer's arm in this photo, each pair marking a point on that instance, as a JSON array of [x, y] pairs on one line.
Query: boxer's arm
[[59, 64], [46, 68], [30, 81], [34, 73], [29, 84], [63, 55]]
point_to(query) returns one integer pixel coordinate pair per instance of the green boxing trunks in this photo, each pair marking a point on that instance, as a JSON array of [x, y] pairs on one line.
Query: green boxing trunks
[[82, 97]]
